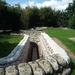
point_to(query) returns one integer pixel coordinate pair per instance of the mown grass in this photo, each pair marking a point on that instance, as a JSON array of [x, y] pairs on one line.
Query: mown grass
[[63, 36], [7, 43]]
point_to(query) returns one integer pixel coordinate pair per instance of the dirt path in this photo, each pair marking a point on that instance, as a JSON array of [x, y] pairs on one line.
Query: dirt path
[[64, 47]]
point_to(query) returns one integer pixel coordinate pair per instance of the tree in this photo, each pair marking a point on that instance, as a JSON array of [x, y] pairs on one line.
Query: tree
[[3, 11], [46, 15], [60, 18], [65, 19], [9, 16], [71, 14], [33, 17], [25, 18], [15, 17], [72, 22]]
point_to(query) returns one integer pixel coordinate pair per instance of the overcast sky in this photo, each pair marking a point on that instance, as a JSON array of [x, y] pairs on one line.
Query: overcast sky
[[57, 4]]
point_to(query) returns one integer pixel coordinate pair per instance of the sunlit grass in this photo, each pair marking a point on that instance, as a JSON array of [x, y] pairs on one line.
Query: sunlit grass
[[63, 36]]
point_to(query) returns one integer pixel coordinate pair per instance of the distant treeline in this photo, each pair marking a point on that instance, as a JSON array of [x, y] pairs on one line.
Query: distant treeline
[[14, 17]]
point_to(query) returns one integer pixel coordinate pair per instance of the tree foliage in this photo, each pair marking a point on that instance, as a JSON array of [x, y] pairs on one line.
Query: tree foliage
[[9, 16], [33, 17], [71, 15], [46, 16], [72, 22], [14, 17], [25, 18]]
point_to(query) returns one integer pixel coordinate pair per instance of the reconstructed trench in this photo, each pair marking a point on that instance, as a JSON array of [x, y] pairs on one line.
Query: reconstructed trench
[[36, 54]]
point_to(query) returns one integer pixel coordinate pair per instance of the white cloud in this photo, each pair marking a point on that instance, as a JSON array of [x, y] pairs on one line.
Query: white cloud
[[31, 3], [24, 5], [39, 5], [55, 4]]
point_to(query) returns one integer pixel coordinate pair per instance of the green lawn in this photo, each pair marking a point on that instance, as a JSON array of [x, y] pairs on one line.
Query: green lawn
[[7, 43], [63, 35]]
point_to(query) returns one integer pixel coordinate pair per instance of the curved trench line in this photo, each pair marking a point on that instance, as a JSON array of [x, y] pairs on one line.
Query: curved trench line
[[38, 61]]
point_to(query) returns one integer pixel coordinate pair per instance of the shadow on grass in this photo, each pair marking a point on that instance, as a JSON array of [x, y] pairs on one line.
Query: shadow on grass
[[72, 66], [6, 48], [8, 42]]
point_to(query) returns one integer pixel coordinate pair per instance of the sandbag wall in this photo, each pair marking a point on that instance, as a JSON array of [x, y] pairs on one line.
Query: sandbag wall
[[54, 54]]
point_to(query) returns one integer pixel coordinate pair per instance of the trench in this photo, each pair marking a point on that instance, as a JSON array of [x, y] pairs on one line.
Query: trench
[[34, 49], [33, 52]]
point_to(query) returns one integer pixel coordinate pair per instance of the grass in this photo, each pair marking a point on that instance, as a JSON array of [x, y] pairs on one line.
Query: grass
[[7, 43], [63, 35]]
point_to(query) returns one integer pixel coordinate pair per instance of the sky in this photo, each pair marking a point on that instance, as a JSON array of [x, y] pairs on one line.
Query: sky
[[55, 4]]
